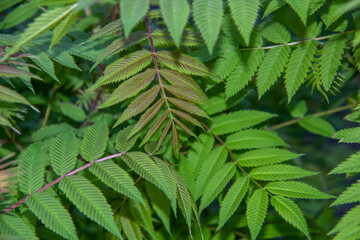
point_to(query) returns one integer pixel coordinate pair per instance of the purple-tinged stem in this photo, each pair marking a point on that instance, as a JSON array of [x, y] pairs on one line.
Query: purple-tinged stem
[[60, 178]]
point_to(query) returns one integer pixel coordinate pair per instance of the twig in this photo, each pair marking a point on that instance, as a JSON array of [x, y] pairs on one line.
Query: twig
[[60, 178], [327, 112]]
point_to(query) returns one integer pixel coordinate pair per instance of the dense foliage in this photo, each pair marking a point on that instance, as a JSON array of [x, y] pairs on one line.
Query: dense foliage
[[168, 119]]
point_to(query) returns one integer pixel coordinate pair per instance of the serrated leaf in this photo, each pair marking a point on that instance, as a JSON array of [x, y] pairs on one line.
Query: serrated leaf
[[130, 88], [61, 29], [139, 104], [74, 112], [188, 107], [288, 210], [254, 138], [12, 72], [175, 14], [349, 220], [330, 59], [52, 214], [317, 125], [31, 169], [142, 215], [186, 117], [348, 135], [186, 93], [130, 227], [63, 153], [338, 9], [46, 21], [279, 172], [299, 110], [183, 63], [351, 165], [146, 168], [156, 126], [18, 15], [350, 195], [271, 68], [301, 8], [50, 131], [226, 63], [266, 156], [123, 142], [244, 14], [232, 200], [116, 178], [216, 184], [120, 45], [296, 190], [175, 139], [235, 121], [8, 95], [124, 67], [179, 79], [276, 33], [256, 211], [297, 68], [214, 161], [208, 16], [90, 201], [95, 141], [110, 28], [273, 6], [131, 12], [12, 224]]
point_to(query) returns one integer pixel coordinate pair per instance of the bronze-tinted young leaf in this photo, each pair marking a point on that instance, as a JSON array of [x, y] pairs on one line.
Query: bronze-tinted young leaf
[[186, 93], [189, 38], [184, 127], [175, 140], [183, 63], [147, 116], [179, 79], [124, 67], [164, 132], [121, 44], [130, 88], [189, 107], [12, 72], [155, 127], [139, 104], [186, 117]]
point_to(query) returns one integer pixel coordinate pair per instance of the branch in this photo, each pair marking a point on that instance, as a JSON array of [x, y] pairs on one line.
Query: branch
[[60, 178], [324, 113]]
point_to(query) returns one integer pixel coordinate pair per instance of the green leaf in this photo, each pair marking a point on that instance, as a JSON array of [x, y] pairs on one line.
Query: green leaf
[[74, 112], [273, 6], [226, 63], [46, 21], [31, 169], [123, 142], [5, 4], [266, 156], [254, 138], [63, 153], [349, 135], [256, 211], [244, 72], [139, 104], [338, 9], [296, 190], [331, 59], [11, 224], [288, 210], [317, 125], [13, 72], [116, 178], [61, 29], [297, 68], [279, 172], [299, 110], [350, 195], [50, 131], [124, 67], [351, 165], [208, 15], [271, 68], [8, 95], [90, 201], [19, 14], [216, 184], [110, 28], [52, 214], [349, 220], [95, 141], [232, 200], [214, 162], [183, 63], [175, 14], [244, 14], [131, 12], [146, 168], [301, 8], [235, 121], [142, 215], [276, 33], [129, 226]]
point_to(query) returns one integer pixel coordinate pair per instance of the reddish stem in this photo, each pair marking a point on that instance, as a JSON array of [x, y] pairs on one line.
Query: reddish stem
[[60, 178]]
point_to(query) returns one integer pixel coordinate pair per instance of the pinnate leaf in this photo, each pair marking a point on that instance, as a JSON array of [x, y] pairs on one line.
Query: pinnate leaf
[[131, 12], [256, 210], [279, 172]]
